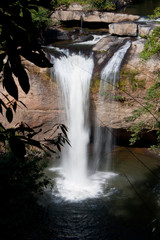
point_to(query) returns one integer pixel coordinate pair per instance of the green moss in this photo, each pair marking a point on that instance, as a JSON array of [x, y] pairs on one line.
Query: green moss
[[95, 84], [130, 77], [119, 98]]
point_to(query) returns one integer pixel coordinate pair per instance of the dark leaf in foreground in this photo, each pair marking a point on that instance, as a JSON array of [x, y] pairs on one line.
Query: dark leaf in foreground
[[9, 82], [9, 115], [38, 58], [1, 110], [23, 80], [15, 106], [17, 146], [2, 56]]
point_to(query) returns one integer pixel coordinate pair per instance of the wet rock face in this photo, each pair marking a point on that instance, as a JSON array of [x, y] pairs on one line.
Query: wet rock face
[[105, 49]]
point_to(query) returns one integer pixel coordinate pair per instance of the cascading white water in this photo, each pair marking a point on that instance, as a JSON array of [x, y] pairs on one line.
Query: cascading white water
[[73, 73], [110, 73], [96, 38], [109, 78]]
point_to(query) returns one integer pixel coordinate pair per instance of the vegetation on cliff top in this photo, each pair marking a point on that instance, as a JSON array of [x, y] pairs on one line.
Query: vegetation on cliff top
[[90, 4]]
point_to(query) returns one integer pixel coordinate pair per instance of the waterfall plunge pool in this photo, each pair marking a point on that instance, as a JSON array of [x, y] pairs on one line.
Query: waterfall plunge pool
[[124, 210]]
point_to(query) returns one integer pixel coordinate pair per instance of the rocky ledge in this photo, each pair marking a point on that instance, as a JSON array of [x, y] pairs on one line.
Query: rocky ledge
[[115, 23], [91, 16]]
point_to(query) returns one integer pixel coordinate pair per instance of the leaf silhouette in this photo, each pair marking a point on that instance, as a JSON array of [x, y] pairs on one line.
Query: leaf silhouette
[[23, 79], [1, 110], [17, 146], [15, 106], [38, 58], [2, 56], [9, 115], [9, 83]]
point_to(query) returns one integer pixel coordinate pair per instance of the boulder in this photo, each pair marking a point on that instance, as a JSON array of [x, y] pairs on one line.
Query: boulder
[[144, 30], [123, 29], [108, 42]]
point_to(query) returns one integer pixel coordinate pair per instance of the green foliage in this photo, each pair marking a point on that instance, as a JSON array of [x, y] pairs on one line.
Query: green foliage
[[156, 13], [153, 92], [63, 2], [133, 81], [103, 4], [146, 108], [136, 130], [119, 98], [150, 107], [152, 46], [122, 85], [98, 4], [95, 84], [20, 183], [41, 18]]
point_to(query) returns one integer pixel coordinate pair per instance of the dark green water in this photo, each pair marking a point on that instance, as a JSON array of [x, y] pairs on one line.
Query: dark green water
[[142, 7], [124, 212]]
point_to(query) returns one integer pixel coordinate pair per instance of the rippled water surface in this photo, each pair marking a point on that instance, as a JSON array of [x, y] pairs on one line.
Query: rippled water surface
[[123, 211]]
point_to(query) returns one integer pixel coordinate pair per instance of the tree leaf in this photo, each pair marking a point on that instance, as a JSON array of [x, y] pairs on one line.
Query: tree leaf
[[9, 83], [15, 106], [2, 137], [23, 79], [9, 115], [23, 104], [58, 147], [2, 56], [17, 146], [38, 59], [1, 110], [64, 131]]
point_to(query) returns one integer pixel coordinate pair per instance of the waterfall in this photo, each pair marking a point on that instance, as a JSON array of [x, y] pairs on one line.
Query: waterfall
[[110, 73], [109, 77], [81, 28], [73, 74]]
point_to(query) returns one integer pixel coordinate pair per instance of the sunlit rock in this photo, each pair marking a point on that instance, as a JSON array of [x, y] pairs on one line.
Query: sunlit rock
[[123, 29], [92, 16]]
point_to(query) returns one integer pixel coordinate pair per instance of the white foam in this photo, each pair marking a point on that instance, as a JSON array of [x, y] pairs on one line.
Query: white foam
[[96, 38], [93, 187]]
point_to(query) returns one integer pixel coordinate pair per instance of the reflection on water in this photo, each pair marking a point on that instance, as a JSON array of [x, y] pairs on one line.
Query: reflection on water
[[123, 212], [142, 7]]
